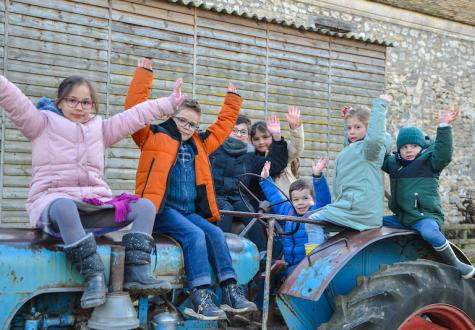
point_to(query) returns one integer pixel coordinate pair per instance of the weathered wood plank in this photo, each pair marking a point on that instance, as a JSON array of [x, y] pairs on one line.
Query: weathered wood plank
[[47, 70], [51, 36], [55, 26], [300, 75], [28, 9], [56, 48], [358, 44], [313, 40], [232, 75], [360, 68], [357, 59], [154, 12], [166, 6], [224, 36], [145, 32], [128, 18], [351, 48], [65, 7], [357, 75], [228, 55], [163, 57], [230, 47], [34, 57], [120, 44], [228, 23], [276, 46]]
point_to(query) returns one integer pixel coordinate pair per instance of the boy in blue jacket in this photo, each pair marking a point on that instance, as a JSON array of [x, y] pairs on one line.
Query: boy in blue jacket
[[304, 198]]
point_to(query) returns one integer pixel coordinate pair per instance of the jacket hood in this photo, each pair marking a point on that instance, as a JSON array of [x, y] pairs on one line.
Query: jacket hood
[[235, 147], [48, 104]]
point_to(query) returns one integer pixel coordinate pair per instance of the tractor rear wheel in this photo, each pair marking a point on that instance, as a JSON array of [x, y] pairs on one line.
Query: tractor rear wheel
[[419, 295]]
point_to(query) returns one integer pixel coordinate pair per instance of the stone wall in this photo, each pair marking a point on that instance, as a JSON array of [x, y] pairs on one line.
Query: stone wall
[[430, 66]]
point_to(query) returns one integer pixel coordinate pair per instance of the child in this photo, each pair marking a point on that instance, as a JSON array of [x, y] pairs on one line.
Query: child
[[414, 172], [304, 197], [174, 172], [68, 144], [358, 182], [231, 161], [260, 137]]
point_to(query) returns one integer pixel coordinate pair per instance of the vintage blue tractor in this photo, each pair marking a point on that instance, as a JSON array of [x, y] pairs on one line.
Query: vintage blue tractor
[[377, 279]]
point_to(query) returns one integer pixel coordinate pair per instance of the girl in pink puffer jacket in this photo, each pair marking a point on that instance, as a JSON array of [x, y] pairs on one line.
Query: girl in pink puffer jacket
[[68, 194]]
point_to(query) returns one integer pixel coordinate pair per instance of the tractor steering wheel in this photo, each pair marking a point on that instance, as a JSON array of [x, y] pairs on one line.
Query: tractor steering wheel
[[245, 191]]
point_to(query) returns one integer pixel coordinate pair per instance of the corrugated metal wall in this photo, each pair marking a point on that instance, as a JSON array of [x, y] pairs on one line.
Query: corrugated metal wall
[[273, 66]]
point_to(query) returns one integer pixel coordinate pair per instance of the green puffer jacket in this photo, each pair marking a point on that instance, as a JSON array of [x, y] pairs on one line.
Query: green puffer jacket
[[415, 187]]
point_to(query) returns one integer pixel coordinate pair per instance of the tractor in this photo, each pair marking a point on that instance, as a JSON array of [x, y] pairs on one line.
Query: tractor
[[376, 279]]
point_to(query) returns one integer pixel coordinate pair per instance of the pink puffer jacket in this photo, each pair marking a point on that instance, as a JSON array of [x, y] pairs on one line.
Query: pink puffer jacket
[[68, 157]]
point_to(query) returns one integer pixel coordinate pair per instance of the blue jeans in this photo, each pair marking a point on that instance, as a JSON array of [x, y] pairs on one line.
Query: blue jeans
[[428, 228], [315, 233], [202, 243]]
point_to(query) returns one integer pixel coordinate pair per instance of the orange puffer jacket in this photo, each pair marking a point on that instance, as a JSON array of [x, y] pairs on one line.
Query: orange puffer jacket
[[159, 148]]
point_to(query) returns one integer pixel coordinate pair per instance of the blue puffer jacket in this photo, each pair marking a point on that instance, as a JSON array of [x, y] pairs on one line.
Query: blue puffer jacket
[[294, 245]]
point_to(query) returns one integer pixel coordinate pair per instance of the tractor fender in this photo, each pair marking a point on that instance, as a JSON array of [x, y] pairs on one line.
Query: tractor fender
[[315, 272]]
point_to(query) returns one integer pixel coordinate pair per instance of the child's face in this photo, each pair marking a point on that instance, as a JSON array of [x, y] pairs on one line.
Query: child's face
[[262, 141], [77, 106], [187, 121], [302, 200], [241, 133], [356, 129], [410, 151]]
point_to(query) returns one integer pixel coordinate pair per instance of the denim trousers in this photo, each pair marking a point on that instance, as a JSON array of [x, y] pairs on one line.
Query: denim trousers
[[315, 233], [428, 228], [202, 243]]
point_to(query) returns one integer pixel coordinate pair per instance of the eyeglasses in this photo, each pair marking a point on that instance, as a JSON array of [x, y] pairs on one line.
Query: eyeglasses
[[184, 123], [242, 132], [73, 103]]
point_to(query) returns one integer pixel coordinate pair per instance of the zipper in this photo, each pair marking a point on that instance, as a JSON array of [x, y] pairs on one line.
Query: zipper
[[168, 179], [417, 203], [148, 176]]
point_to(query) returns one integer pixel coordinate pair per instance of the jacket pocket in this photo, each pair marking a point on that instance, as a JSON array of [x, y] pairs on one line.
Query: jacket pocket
[[148, 176]]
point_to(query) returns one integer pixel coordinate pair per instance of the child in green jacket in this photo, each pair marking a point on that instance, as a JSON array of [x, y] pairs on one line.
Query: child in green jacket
[[414, 172]]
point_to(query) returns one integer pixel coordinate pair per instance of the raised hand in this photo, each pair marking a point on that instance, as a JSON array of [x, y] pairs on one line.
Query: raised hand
[[266, 169], [319, 165], [293, 117], [386, 97], [448, 116], [145, 63], [273, 125], [232, 88], [177, 96]]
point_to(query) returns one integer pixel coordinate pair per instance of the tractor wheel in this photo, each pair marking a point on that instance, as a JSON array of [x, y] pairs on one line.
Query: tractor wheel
[[419, 295]]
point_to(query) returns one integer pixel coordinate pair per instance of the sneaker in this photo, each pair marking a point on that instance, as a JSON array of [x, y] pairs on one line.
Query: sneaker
[[203, 307], [234, 300]]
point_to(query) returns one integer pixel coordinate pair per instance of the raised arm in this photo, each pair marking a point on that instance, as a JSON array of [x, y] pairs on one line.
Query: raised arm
[[123, 124], [443, 146], [20, 110], [295, 146], [320, 185], [272, 194], [375, 140], [138, 92], [215, 134]]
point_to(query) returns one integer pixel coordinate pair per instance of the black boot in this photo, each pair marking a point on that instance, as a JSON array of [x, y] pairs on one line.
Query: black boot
[[84, 256], [137, 275], [449, 257], [234, 301]]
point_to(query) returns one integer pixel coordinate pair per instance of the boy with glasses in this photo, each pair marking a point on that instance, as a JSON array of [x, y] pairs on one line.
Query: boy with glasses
[[174, 173]]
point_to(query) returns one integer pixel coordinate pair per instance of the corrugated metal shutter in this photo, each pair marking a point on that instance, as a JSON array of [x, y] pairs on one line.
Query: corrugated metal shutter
[[273, 66]]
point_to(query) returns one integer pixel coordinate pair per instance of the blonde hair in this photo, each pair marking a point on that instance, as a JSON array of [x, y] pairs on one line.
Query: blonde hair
[[361, 113]]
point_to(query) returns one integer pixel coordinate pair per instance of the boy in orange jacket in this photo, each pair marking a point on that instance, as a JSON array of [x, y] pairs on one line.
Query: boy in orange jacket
[[174, 173]]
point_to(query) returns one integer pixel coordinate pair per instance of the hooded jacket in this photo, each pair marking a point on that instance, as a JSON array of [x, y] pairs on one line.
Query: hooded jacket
[[68, 157], [159, 148]]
